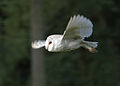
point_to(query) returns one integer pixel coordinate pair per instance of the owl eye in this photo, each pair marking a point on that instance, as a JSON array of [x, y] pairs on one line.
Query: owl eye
[[49, 42]]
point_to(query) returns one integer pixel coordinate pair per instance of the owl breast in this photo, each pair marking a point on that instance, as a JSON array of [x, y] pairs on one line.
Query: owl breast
[[70, 45], [59, 45], [67, 45]]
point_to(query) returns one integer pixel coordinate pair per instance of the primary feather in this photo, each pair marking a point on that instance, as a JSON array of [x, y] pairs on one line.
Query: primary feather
[[78, 27], [38, 44]]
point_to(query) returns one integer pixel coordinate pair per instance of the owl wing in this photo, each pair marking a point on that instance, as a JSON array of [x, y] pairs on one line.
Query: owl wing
[[38, 44], [78, 27]]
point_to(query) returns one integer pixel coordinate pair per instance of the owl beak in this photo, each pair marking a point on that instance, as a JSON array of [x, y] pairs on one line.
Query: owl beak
[[46, 47]]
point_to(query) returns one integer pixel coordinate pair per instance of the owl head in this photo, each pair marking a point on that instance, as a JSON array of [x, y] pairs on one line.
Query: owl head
[[50, 43]]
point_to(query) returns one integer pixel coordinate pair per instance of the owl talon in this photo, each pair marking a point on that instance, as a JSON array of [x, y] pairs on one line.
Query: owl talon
[[92, 50]]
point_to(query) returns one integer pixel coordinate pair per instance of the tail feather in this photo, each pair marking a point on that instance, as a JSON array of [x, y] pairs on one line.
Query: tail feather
[[92, 44]]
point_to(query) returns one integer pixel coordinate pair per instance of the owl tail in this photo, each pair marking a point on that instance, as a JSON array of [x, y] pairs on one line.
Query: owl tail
[[90, 46]]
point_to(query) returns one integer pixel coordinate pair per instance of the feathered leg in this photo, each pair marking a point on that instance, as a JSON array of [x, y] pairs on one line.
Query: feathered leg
[[90, 46]]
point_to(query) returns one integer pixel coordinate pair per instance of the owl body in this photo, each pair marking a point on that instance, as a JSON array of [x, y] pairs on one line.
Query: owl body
[[59, 45], [78, 28]]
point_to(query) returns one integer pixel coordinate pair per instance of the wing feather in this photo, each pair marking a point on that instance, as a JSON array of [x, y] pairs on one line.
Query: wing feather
[[78, 27], [38, 44]]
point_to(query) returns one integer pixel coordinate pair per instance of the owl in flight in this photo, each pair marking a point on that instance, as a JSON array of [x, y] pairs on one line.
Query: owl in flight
[[78, 28]]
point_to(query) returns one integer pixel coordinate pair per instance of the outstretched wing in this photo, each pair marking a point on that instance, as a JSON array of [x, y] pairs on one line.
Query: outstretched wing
[[78, 27], [38, 44]]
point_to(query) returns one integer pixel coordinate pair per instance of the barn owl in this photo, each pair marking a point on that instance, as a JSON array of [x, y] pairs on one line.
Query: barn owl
[[78, 28]]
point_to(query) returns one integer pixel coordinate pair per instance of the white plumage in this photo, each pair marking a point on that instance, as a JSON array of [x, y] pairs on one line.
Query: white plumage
[[38, 44], [77, 29]]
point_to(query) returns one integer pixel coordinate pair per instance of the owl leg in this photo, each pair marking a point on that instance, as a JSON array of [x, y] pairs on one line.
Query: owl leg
[[90, 46]]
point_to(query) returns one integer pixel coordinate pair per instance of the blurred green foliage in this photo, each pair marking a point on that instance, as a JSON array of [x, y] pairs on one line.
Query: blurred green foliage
[[14, 37], [74, 68]]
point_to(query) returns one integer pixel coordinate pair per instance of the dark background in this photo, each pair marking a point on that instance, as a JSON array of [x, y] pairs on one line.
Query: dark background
[[74, 68]]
